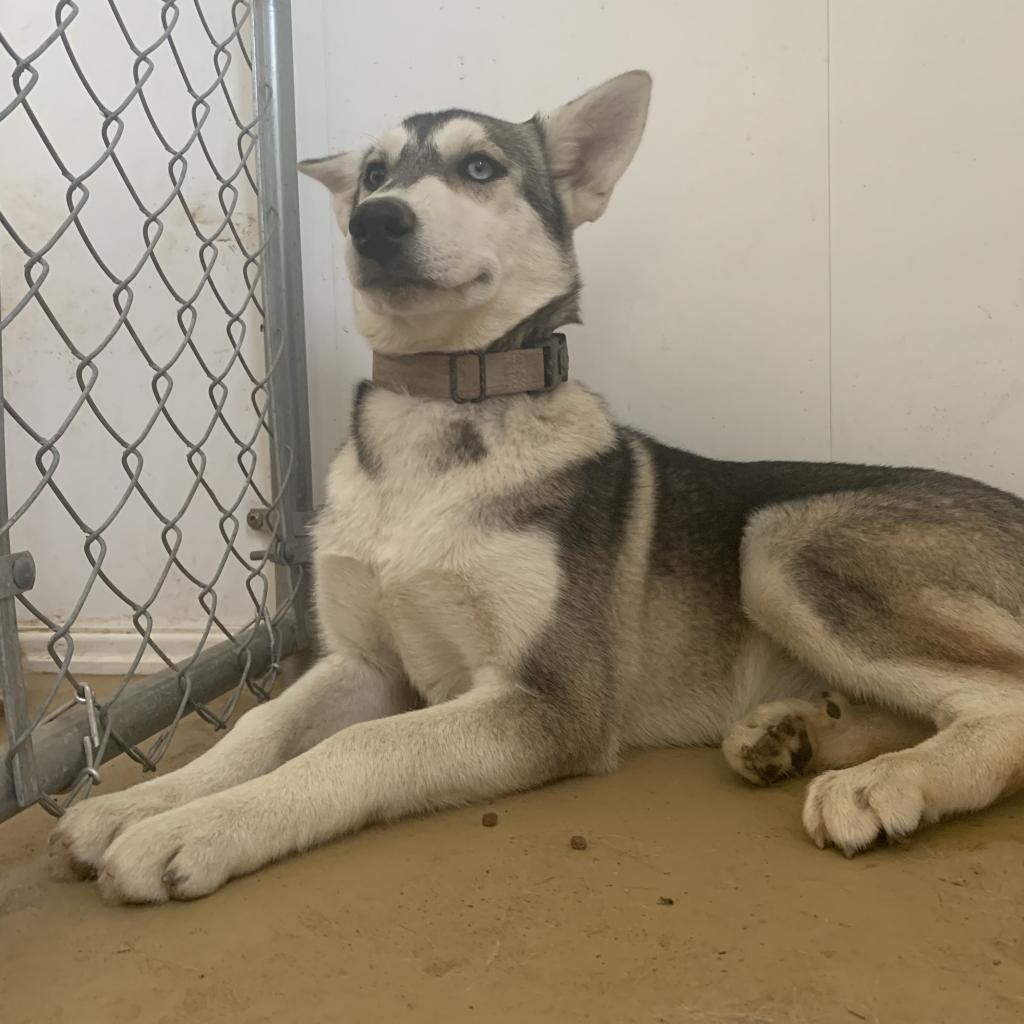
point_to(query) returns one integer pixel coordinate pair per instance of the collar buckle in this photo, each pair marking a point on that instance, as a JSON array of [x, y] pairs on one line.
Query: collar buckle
[[556, 361]]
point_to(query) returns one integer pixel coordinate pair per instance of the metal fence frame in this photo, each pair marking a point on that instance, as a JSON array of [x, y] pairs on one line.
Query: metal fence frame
[[61, 752]]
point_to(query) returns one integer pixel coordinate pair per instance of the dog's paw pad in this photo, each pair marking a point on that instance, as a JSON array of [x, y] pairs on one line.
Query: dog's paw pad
[[774, 743], [836, 705], [781, 751]]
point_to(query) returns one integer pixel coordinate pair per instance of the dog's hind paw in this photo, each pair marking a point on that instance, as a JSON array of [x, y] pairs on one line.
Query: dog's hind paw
[[853, 808], [777, 740]]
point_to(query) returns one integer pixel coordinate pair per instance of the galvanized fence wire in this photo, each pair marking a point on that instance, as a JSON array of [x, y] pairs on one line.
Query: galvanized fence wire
[[232, 498]]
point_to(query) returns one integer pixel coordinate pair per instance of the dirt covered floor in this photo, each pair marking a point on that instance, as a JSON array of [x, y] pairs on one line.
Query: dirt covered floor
[[696, 899]]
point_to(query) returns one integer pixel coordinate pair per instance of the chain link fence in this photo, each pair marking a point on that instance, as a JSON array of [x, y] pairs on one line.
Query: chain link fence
[[154, 435]]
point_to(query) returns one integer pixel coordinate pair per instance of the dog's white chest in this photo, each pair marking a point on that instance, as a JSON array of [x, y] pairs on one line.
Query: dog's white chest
[[409, 568]]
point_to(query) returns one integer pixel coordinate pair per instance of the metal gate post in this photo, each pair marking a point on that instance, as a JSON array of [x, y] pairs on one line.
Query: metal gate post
[[284, 327], [16, 574]]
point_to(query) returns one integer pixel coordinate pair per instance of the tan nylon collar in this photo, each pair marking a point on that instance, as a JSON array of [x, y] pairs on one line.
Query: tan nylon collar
[[474, 376]]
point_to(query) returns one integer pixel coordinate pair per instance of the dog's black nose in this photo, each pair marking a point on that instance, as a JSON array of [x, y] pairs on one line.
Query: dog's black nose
[[379, 226]]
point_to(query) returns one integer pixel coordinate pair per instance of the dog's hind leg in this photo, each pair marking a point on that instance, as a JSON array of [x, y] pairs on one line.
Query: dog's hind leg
[[784, 738], [332, 695], [900, 608]]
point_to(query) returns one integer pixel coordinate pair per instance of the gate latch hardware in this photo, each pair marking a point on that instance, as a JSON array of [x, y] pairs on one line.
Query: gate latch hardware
[[257, 518]]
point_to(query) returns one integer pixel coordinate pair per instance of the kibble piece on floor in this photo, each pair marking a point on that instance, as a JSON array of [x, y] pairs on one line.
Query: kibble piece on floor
[[666, 901], [490, 819], [578, 843]]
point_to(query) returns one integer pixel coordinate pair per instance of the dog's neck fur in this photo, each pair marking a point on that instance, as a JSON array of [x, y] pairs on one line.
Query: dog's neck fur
[[403, 442], [562, 310]]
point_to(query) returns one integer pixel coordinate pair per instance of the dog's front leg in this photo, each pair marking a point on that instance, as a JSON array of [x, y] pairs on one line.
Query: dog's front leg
[[332, 695], [495, 739]]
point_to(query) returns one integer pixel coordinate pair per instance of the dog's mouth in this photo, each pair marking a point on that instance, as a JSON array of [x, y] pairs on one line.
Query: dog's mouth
[[387, 281], [377, 278]]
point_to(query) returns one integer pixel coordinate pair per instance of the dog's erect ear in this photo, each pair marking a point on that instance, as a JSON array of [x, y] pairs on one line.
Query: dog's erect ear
[[591, 141], [340, 173]]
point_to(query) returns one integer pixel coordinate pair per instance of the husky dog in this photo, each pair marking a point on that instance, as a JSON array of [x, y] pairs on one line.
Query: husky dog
[[512, 588]]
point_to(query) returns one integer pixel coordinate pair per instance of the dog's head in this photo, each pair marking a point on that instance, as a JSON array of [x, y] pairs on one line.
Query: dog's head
[[460, 225]]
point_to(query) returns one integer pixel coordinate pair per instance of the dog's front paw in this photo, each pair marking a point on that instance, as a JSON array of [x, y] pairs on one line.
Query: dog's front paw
[[179, 855], [81, 837], [855, 807]]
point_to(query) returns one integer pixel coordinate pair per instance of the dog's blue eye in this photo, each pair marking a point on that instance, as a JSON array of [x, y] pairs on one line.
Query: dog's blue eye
[[375, 176], [480, 168]]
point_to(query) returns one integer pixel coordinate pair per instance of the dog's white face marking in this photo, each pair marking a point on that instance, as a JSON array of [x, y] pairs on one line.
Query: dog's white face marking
[[390, 146], [460, 226], [459, 137]]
